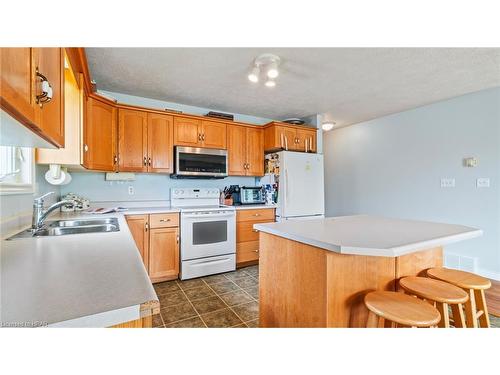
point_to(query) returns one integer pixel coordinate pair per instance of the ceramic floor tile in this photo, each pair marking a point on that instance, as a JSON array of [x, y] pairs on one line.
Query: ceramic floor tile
[[237, 297], [195, 322], [238, 274], [210, 304], [253, 323], [199, 293], [221, 319], [253, 291], [224, 287], [253, 271], [173, 298], [178, 312], [190, 284], [246, 282], [166, 287], [214, 279], [157, 321], [240, 326], [248, 311]]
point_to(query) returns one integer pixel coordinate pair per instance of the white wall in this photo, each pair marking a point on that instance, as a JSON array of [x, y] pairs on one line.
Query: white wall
[[392, 166]]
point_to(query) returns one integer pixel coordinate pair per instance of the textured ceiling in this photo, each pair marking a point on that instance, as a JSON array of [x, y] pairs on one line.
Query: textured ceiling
[[348, 85]]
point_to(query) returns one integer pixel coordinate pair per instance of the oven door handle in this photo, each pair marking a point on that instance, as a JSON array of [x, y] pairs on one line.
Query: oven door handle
[[202, 263], [207, 216]]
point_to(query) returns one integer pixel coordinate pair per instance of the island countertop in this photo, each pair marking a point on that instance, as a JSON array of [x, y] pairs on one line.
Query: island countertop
[[83, 280], [370, 235]]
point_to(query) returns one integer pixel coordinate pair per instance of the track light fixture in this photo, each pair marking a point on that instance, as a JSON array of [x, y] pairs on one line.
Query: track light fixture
[[267, 63]]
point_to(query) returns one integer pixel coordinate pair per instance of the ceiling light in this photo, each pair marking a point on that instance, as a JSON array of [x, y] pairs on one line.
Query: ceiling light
[[270, 83], [272, 71], [253, 76], [326, 126]]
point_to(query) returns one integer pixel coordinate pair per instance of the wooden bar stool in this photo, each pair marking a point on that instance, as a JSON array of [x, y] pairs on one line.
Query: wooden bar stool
[[475, 286], [442, 294], [400, 308]]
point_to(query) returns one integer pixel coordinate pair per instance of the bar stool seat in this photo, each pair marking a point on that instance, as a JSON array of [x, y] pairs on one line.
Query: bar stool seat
[[474, 285], [400, 309], [442, 294]]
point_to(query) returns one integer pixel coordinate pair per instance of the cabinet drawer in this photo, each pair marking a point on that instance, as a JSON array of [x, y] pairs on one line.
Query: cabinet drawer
[[255, 215], [247, 251], [245, 231], [164, 220]]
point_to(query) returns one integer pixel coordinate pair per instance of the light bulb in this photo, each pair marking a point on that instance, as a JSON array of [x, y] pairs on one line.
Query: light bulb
[[253, 76], [326, 126], [272, 71], [270, 83]]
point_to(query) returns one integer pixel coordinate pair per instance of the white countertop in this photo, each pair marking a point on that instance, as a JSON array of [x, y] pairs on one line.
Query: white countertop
[[370, 235], [95, 279]]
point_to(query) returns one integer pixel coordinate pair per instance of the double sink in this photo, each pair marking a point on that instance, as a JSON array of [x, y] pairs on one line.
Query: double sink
[[64, 227]]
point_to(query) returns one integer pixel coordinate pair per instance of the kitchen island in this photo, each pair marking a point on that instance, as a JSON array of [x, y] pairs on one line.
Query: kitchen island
[[315, 273]]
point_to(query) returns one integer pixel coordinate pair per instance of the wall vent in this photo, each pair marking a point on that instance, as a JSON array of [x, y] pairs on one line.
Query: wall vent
[[460, 262]]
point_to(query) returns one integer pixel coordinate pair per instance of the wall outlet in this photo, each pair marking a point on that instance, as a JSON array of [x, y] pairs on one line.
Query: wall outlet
[[483, 182], [447, 182], [130, 190]]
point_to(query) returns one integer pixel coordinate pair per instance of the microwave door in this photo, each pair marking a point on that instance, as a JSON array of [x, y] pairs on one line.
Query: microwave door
[[192, 161]]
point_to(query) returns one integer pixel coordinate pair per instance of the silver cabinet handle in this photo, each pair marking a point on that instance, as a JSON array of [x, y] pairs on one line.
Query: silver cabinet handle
[[46, 94], [177, 239], [286, 143], [199, 136], [164, 220], [146, 226], [115, 159], [85, 148], [306, 141], [149, 161], [256, 214], [311, 143], [281, 140], [145, 162], [254, 230], [203, 137]]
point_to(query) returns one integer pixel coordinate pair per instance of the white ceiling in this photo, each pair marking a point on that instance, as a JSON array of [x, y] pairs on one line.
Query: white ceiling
[[348, 85]]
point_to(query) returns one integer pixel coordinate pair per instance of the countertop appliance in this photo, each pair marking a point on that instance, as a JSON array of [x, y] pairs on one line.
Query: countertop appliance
[[196, 162], [300, 180], [208, 232], [252, 195]]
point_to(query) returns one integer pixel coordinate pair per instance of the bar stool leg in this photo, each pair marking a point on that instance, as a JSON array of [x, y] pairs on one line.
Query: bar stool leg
[[373, 320], [470, 310], [458, 315], [445, 315], [484, 319]]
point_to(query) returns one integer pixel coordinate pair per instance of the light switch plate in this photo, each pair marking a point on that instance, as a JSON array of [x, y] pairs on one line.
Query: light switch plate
[[483, 182], [447, 182]]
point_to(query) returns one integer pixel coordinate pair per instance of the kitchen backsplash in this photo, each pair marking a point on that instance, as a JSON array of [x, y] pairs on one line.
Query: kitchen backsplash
[[146, 187]]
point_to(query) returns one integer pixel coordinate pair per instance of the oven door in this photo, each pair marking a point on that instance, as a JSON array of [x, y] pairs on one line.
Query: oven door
[[207, 233], [200, 162]]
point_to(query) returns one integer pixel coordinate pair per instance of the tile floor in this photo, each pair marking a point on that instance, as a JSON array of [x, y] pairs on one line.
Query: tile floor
[[218, 301]]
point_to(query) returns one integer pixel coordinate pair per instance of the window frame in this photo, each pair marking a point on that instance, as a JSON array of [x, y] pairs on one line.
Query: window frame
[[15, 188]]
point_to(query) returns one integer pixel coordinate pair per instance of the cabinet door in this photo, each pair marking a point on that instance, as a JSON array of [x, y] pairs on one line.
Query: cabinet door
[[236, 150], [132, 140], [163, 254], [50, 115], [138, 227], [187, 132], [160, 143], [286, 137], [255, 152], [306, 140], [17, 95], [99, 133], [213, 134]]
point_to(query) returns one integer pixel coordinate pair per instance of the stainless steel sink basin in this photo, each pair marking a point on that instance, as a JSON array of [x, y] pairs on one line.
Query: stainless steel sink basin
[[65, 227]]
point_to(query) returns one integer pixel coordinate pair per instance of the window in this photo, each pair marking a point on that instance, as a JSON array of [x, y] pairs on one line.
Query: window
[[16, 170]]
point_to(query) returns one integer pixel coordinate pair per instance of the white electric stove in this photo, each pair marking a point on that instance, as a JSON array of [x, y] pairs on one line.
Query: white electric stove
[[208, 232]]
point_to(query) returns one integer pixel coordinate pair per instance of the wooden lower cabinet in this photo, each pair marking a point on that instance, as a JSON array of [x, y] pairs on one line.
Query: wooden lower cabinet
[[247, 238], [157, 239]]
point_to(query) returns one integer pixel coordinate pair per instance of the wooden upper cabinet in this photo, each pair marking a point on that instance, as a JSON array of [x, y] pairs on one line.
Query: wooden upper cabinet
[[213, 134], [245, 150], [100, 136], [50, 115], [138, 225], [132, 141], [236, 150], [17, 83], [306, 140], [160, 143], [20, 84], [255, 152], [187, 132], [163, 253]]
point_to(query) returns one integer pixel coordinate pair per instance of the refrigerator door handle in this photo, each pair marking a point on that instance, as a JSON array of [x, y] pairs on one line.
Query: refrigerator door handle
[[287, 193]]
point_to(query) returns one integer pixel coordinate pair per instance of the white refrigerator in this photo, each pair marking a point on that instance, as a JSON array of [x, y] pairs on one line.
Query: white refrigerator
[[300, 180]]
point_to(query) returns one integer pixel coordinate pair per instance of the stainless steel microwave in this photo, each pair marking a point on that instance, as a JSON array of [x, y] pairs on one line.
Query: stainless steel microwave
[[195, 162]]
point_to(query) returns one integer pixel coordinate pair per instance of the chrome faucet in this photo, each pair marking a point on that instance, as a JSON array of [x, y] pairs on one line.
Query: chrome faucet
[[40, 214]]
